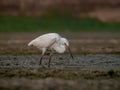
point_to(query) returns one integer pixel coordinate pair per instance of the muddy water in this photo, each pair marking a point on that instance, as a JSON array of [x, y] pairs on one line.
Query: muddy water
[[62, 61]]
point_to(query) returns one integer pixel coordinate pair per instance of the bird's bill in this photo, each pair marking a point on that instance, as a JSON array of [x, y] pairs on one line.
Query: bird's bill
[[69, 50]]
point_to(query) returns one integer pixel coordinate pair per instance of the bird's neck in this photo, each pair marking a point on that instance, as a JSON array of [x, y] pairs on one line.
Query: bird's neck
[[60, 49]]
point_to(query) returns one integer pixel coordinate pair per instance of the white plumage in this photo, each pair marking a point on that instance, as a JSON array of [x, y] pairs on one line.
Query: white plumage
[[52, 42]]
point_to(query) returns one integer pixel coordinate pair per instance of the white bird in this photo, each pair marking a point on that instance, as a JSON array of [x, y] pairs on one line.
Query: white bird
[[52, 42]]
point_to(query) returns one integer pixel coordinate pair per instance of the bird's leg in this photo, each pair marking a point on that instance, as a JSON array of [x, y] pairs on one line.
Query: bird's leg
[[41, 59], [50, 58], [43, 53]]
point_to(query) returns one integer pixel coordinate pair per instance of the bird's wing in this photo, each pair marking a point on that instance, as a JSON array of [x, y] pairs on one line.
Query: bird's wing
[[52, 42]]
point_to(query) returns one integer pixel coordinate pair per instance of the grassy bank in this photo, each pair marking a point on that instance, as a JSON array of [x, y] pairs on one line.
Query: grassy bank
[[53, 23]]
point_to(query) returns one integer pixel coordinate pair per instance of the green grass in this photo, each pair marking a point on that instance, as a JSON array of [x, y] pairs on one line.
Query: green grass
[[53, 23]]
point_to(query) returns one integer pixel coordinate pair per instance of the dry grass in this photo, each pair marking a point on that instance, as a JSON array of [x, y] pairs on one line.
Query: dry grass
[[59, 73]]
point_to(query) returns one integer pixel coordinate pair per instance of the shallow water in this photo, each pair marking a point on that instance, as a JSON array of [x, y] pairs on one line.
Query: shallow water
[[62, 61]]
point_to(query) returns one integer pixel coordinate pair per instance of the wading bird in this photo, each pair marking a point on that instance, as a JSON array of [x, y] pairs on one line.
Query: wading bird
[[52, 42]]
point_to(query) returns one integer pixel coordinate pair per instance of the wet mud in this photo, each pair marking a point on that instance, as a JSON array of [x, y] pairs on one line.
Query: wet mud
[[61, 61]]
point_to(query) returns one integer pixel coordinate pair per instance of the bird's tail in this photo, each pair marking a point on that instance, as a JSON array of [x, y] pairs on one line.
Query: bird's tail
[[30, 43]]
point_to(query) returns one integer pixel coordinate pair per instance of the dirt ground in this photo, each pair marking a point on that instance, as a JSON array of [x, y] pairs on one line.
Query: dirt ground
[[96, 63], [58, 84]]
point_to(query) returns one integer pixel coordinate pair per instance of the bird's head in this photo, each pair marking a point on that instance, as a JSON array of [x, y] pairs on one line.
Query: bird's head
[[64, 41]]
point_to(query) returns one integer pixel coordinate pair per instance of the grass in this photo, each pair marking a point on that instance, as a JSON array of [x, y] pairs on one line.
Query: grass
[[58, 73], [53, 23]]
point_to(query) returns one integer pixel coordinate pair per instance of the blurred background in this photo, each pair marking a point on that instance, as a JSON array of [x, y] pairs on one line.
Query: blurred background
[[39, 15], [103, 10], [90, 25]]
